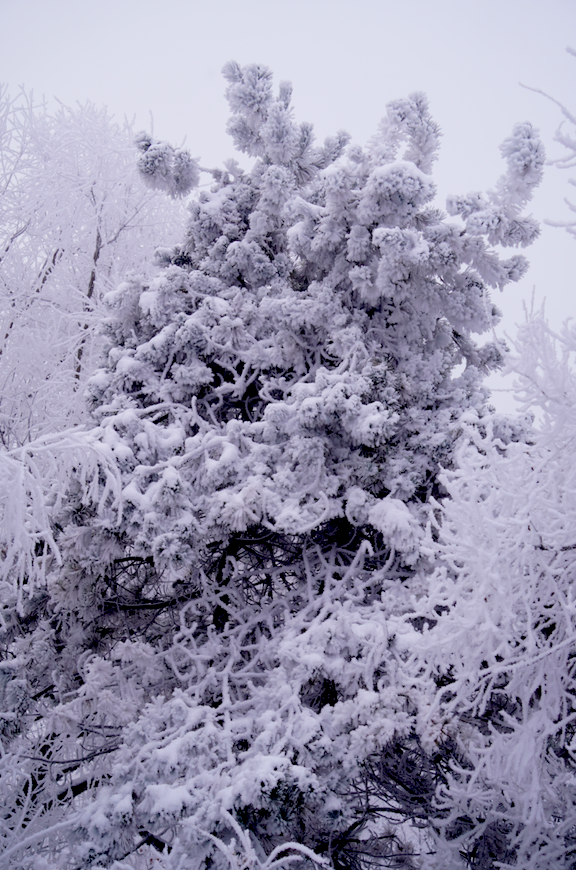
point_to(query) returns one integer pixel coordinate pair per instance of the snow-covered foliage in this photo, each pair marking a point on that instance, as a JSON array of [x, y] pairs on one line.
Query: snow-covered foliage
[[217, 669], [166, 168], [31, 492], [74, 218], [495, 663]]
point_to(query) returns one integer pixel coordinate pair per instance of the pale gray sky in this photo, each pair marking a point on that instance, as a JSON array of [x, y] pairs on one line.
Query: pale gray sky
[[346, 60]]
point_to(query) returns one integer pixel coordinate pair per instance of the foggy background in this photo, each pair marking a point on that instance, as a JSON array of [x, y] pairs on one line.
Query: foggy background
[[159, 62]]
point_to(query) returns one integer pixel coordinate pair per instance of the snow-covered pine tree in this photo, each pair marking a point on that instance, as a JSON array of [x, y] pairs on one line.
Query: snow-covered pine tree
[[212, 670]]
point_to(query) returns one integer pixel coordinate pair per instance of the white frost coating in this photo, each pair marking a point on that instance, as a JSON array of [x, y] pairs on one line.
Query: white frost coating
[[393, 518], [232, 658], [33, 485]]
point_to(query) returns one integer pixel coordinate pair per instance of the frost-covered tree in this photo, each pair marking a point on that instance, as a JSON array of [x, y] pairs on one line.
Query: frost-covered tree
[[208, 674], [495, 669], [74, 218]]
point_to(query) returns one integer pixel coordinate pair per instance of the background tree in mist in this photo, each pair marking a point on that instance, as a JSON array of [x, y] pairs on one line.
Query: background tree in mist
[[74, 218]]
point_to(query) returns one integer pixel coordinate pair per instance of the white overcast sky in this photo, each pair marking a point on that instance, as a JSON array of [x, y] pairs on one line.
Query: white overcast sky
[[346, 60]]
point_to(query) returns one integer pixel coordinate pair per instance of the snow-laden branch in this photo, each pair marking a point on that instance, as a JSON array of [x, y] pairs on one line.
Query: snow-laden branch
[[34, 482]]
